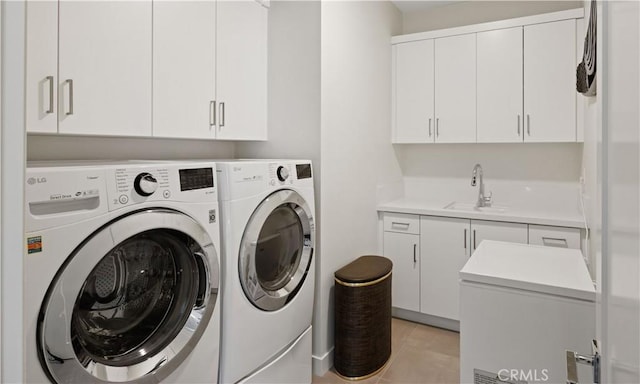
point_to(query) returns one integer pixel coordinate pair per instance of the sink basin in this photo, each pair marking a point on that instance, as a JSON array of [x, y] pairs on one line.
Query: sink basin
[[471, 207]]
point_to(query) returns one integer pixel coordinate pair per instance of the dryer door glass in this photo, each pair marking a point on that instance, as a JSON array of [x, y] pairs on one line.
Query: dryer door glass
[[136, 296], [276, 250], [279, 246]]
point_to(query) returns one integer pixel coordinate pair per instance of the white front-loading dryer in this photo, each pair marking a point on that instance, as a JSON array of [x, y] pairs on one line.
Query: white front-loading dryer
[[268, 263], [122, 273]]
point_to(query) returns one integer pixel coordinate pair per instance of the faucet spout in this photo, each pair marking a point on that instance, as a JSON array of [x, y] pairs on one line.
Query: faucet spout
[[476, 179]]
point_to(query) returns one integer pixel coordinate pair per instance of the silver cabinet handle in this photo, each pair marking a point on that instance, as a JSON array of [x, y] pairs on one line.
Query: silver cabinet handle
[[221, 112], [474, 239], [465, 238], [429, 127], [398, 224], [212, 113], [50, 80], [555, 242], [415, 259], [437, 127], [70, 82], [528, 126], [518, 124]]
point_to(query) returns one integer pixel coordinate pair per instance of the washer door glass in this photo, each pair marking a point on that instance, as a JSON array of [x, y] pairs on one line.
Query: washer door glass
[[276, 250], [138, 305], [135, 300]]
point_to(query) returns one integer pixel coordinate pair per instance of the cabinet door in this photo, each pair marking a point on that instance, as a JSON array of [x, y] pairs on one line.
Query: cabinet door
[[241, 79], [444, 251], [105, 67], [414, 91], [184, 63], [500, 86], [42, 67], [455, 97], [404, 251], [549, 82], [494, 230]]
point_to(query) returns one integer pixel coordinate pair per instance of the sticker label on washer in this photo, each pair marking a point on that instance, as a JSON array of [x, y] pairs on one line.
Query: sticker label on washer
[[212, 216], [34, 244]]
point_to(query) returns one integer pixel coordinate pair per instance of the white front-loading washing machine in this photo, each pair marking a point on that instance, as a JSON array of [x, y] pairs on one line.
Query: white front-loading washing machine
[[122, 273], [268, 236]]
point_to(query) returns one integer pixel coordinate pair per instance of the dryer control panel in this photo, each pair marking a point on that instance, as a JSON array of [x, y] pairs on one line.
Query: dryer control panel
[[280, 174], [242, 178], [288, 173], [185, 182]]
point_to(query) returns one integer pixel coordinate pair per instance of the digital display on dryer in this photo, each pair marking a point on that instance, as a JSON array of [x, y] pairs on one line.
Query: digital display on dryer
[[303, 171], [196, 178]]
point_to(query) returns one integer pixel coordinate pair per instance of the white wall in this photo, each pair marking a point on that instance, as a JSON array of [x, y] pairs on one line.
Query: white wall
[[543, 162], [356, 153], [13, 159], [473, 12], [51, 147]]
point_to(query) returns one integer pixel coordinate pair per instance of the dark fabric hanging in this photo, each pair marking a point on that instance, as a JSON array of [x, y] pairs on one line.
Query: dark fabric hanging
[[586, 71]]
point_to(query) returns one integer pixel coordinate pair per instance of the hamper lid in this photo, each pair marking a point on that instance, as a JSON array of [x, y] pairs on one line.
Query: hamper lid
[[364, 269]]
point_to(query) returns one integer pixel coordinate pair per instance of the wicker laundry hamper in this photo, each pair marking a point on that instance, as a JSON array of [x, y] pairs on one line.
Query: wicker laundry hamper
[[362, 317]]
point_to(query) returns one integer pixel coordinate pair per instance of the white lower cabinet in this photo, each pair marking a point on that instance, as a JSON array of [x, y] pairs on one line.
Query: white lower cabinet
[[428, 252], [446, 244], [444, 251], [498, 231], [404, 251]]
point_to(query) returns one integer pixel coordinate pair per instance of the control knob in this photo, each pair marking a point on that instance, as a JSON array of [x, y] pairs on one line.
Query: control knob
[[145, 184], [282, 173]]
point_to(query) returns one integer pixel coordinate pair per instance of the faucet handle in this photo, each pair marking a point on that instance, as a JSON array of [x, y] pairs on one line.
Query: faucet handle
[[487, 199]]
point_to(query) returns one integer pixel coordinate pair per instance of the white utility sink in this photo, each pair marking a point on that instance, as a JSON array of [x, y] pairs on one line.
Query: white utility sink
[[471, 207]]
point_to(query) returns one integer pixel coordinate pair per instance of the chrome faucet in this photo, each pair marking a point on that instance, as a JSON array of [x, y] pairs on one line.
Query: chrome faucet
[[483, 201]]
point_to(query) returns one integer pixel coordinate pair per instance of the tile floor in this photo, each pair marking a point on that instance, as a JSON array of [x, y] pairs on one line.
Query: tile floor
[[419, 354]]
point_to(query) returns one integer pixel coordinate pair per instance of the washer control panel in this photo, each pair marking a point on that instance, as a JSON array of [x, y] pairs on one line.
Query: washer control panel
[[185, 182]]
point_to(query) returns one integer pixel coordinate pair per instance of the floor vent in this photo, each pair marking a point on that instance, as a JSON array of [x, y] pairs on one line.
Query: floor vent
[[484, 377]]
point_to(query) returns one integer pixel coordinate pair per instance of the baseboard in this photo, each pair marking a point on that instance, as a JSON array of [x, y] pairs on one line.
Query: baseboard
[[322, 364], [435, 321]]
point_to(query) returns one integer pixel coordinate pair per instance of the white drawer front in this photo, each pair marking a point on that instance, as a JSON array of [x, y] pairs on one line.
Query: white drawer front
[[554, 236], [402, 222]]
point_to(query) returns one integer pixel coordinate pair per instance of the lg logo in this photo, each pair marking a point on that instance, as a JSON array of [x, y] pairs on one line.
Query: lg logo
[[36, 180]]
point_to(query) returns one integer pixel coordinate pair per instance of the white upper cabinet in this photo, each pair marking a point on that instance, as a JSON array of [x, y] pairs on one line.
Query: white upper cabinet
[[188, 69], [184, 64], [42, 67], [455, 96], [414, 91], [241, 70], [500, 118], [549, 81], [508, 81], [104, 65]]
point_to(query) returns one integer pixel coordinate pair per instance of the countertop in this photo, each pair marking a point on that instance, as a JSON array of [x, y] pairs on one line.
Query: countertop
[[512, 214], [555, 271]]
